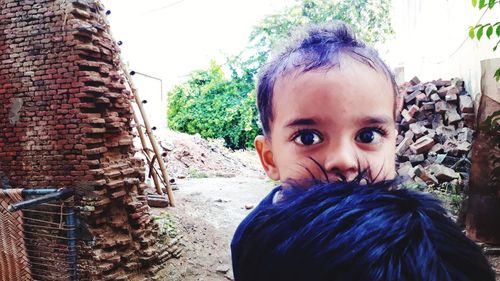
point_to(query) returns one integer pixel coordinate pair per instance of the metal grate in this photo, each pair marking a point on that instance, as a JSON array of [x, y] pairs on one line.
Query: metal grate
[[48, 231], [14, 262]]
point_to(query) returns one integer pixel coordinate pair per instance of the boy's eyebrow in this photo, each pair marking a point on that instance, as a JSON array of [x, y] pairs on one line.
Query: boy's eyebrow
[[301, 122], [370, 120], [375, 120]]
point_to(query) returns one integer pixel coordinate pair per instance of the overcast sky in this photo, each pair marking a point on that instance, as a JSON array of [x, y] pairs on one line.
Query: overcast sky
[[170, 38]]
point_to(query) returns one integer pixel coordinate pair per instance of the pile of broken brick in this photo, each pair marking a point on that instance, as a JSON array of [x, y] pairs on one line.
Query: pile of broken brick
[[435, 134]]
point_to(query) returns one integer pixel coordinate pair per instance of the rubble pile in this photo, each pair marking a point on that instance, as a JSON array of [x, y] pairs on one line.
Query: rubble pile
[[194, 157], [435, 134]]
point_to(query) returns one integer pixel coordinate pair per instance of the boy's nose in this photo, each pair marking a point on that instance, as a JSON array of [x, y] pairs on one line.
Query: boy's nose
[[342, 162]]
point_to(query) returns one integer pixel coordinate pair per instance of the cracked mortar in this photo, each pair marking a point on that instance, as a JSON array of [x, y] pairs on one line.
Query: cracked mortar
[[16, 105]]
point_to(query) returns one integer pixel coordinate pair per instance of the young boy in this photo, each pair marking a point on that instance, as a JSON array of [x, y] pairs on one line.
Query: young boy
[[327, 107], [327, 101], [348, 232]]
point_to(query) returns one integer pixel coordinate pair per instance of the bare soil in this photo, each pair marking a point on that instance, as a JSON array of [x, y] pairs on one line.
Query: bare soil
[[207, 213]]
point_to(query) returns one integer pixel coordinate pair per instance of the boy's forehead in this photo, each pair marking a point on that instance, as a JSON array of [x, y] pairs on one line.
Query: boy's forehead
[[350, 82], [350, 73], [343, 63]]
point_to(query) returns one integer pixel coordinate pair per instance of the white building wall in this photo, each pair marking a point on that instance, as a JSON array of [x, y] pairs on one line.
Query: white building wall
[[150, 90], [431, 40]]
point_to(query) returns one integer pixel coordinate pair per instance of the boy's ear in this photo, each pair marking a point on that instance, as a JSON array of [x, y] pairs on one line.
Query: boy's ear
[[263, 147]]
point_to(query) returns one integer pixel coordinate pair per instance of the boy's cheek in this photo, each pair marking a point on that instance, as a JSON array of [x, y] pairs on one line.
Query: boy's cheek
[[389, 165]]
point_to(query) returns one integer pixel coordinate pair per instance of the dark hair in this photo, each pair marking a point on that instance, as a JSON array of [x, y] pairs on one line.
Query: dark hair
[[347, 231], [315, 48]]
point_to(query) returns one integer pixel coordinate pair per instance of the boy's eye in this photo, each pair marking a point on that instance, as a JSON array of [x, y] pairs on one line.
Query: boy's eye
[[370, 135], [307, 137]]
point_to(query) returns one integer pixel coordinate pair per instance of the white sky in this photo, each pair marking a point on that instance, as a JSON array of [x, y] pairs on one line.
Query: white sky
[[170, 38]]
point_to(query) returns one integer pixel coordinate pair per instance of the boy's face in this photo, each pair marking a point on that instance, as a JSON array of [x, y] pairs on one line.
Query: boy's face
[[342, 118]]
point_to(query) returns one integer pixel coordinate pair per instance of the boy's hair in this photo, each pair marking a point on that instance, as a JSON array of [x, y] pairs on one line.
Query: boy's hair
[[317, 47], [347, 231]]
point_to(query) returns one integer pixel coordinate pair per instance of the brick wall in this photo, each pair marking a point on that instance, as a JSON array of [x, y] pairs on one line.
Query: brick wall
[[65, 121]]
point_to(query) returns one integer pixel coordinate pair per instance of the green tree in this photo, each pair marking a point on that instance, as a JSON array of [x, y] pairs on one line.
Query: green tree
[[368, 19], [487, 29], [219, 107], [215, 107]]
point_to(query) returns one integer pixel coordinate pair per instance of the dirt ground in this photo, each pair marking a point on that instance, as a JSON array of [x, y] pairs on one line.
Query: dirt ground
[[207, 213]]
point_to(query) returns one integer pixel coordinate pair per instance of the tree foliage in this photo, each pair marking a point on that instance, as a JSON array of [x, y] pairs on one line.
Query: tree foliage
[[368, 19], [215, 107], [487, 29], [218, 107]]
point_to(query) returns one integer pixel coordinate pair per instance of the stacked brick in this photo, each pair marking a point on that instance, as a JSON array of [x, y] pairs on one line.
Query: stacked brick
[[65, 121], [435, 134]]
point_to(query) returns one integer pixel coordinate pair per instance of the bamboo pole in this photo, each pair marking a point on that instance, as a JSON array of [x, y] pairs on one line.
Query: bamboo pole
[[151, 137], [147, 152], [148, 128], [160, 179]]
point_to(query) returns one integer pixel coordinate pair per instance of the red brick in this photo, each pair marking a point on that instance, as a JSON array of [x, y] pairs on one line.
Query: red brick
[[422, 145], [440, 107], [57, 81], [412, 110], [407, 117], [466, 104]]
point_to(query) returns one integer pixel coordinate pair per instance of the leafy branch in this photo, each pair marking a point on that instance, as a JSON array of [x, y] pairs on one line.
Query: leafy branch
[[483, 4], [477, 31]]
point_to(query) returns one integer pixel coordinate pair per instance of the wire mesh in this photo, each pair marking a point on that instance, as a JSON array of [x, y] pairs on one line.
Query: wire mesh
[[48, 232], [14, 262], [49, 236]]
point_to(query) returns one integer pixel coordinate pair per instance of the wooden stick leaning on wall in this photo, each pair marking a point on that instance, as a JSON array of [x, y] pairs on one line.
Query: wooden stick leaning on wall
[[151, 137], [147, 153], [156, 150]]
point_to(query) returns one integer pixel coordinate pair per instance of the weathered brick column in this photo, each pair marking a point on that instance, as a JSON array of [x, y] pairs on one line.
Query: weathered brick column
[[483, 216], [65, 121]]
